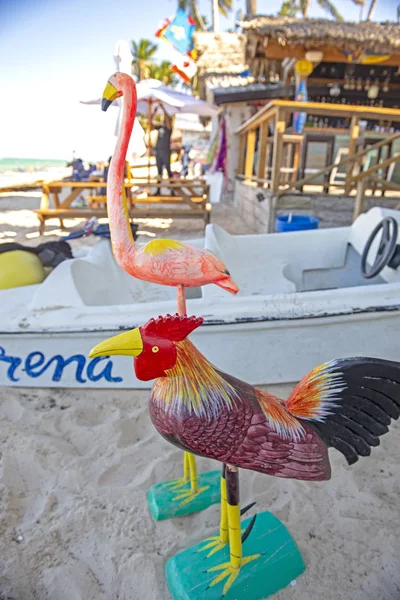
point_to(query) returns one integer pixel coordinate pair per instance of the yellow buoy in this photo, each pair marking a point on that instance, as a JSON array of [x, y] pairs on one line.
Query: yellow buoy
[[19, 267]]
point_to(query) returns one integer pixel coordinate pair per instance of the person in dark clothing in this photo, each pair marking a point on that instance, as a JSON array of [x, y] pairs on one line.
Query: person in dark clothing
[[163, 148], [185, 160]]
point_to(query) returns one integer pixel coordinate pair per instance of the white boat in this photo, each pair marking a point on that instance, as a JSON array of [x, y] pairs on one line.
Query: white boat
[[302, 301]]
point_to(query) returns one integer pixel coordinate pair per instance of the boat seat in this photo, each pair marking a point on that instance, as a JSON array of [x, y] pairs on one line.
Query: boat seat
[[95, 280], [267, 276]]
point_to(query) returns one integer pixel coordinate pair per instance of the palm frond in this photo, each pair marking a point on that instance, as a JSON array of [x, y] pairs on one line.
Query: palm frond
[[331, 9], [224, 6], [289, 8], [304, 7]]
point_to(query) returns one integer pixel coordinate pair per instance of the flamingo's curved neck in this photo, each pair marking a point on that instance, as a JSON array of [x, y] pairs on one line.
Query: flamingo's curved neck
[[121, 234]]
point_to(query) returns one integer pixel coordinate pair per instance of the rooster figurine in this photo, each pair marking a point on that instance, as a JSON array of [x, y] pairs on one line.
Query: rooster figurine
[[345, 404]]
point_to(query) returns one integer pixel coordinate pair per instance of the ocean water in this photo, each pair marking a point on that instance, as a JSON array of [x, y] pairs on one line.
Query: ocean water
[[30, 164]]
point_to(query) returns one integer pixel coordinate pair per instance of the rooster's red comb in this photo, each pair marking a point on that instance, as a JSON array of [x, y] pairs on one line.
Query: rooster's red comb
[[172, 327]]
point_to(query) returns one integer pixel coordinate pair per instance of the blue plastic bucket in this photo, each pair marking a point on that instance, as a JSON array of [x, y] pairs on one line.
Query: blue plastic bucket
[[295, 223]]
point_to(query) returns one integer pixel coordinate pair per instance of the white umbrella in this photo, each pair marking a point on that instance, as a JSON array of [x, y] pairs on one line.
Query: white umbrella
[[152, 91]]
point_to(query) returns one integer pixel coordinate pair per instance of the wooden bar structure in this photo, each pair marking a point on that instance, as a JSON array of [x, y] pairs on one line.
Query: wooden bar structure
[[270, 126], [188, 198], [263, 151], [250, 148], [280, 127]]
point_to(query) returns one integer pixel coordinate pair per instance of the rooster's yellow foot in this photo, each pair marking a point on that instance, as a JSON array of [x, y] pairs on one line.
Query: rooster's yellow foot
[[188, 496], [176, 484], [214, 544], [229, 572]]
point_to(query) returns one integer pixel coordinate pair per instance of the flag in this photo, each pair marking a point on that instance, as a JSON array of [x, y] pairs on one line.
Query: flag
[[185, 67], [299, 118], [160, 32], [179, 32]]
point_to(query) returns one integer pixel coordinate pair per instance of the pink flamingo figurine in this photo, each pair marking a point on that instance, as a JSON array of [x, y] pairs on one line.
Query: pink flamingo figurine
[[162, 261], [167, 262]]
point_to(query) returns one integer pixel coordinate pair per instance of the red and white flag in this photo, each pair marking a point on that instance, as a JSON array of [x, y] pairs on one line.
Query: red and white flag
[[185, 67]]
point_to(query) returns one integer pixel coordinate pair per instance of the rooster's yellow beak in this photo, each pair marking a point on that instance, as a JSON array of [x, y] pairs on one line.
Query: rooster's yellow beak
[[125, 344], [109, 95]]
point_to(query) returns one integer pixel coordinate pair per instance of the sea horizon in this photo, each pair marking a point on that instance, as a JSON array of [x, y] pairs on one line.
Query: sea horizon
[[34, 164]]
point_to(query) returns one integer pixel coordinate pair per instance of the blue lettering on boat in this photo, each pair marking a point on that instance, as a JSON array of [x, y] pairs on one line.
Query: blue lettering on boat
[[35, 365]]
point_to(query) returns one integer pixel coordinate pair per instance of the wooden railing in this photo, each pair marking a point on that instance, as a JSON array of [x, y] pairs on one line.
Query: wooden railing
[[275, 116]]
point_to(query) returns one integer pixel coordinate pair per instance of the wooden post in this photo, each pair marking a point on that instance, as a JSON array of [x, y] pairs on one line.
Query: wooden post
[[251, 145], [359, 203], [296, 161], [45, 200], [354, 135], [149, 123], [262, 154], [242, 147], [280, 126]]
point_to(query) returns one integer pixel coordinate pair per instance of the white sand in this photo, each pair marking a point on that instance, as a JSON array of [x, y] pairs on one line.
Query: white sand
[[76, 466], [18, 223]]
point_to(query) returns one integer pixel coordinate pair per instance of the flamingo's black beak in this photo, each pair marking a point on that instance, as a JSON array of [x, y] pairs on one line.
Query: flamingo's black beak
[[105, 104], [109, 95]]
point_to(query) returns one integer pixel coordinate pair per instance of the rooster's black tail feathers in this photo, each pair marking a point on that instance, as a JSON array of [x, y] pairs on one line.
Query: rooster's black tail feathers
[[367, 398]]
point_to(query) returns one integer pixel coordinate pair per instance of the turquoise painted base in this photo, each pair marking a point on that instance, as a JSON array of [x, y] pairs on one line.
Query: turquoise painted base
[[174, 499], [280, 562]]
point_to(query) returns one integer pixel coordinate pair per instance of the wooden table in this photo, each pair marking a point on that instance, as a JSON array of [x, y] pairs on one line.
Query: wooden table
[[190, 199]]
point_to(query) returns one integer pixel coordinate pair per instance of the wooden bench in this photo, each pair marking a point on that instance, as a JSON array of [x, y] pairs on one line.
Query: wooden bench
[[190, 200]]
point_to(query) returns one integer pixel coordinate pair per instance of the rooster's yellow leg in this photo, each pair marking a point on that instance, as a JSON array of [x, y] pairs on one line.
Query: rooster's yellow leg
[[186, 467], [230, 570], [217, 542], [178, 484], [193, 473], [186, 495], [223, 525]]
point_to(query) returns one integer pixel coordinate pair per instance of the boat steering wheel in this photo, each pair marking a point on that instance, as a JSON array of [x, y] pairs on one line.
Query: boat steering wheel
[[388, 251]]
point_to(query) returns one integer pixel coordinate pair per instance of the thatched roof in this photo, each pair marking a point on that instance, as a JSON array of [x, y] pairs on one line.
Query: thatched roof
[[364, 36], [220, 52]]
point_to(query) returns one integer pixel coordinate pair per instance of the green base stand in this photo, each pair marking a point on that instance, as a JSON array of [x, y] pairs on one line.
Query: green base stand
[[279, 563], [174, 498]]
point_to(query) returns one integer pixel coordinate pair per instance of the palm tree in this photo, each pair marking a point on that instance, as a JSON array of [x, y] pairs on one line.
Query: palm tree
[[251, 7], [288, 9], [371, 9], [192, 7], [164, 73], [292, 7], [143, 52]]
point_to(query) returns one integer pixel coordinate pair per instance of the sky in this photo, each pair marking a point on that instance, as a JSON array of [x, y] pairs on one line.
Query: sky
[[57, 52]]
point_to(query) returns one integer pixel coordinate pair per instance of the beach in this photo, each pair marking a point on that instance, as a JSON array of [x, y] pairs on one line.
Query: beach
[[76, 466], [18, 223]]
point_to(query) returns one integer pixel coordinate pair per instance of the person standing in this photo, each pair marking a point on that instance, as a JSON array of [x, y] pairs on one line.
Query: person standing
[[163, 148]]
